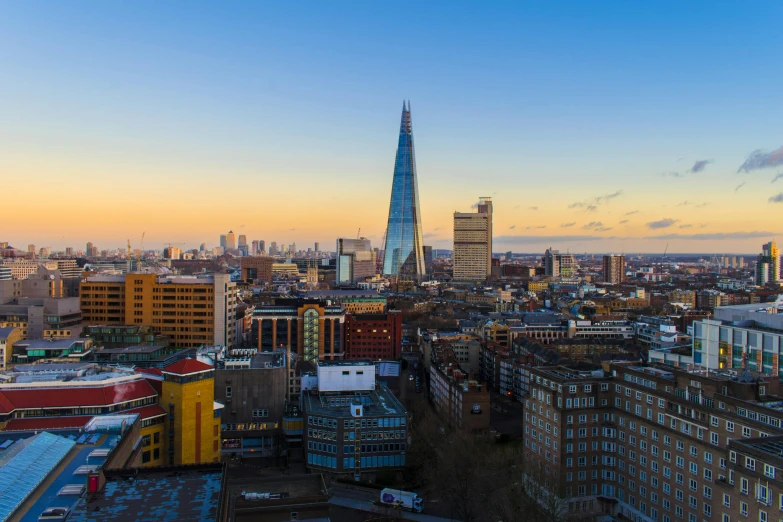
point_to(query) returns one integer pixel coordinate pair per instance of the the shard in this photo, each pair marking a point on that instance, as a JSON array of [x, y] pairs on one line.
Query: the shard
[[403, 251]]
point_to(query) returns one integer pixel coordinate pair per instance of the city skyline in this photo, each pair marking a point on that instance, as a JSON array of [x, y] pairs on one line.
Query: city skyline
[[594, 128]]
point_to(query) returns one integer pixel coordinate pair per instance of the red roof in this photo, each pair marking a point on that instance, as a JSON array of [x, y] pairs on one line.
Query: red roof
[[186, 366], [67, 397], [145, 412], [47, 423], [5, 404]]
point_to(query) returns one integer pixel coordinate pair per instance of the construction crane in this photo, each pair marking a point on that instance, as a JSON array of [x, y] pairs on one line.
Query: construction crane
[[130, 259], [359, 233], [379, 259], [664, 257], [141, 252]]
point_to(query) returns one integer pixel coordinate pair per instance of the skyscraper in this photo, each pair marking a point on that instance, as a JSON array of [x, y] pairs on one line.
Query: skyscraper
[[614, 269], [768, 264], [403, 253], [355, 261], [223, 241], [473, 243], [231, 240], [261, 248], [559, 265]]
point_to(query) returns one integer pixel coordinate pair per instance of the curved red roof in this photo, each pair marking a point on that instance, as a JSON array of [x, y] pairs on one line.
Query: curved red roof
[[47, 423], [186, 366], [70, 397], [145, 412]]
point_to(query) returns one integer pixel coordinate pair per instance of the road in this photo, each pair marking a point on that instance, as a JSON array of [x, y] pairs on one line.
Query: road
[[364, 500]]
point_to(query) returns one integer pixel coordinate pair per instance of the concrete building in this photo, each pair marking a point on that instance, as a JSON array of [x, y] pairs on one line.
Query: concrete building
[[45, 317], [310, 328], [373, 336], [231, 240], [614, 269], [473, 243], [768, 264], [21, 268], [460, 397], [355, 261], [559, 265], [355, 426], [254, 389], [191, 310]]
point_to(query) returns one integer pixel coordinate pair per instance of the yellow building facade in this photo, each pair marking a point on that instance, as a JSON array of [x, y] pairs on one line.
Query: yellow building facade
[[8, 336], [193, 417]]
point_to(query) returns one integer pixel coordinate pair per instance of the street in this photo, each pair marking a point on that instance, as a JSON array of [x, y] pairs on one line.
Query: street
[[363, 500]]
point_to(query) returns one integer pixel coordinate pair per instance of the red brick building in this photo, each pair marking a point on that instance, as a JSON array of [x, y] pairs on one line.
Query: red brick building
[[373, 336]]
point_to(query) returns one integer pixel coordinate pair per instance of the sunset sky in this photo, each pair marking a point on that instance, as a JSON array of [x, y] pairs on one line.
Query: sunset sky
[[594, 126]]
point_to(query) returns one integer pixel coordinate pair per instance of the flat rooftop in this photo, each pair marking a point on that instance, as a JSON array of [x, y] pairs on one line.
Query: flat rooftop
[[376, 403], [182, 494], [294, 486], [133, 349]]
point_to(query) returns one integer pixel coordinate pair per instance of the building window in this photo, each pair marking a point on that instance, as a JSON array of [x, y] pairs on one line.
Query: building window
[[260, 413], [228, 392]]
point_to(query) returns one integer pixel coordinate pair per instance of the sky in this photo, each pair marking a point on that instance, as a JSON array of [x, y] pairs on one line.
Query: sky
[[594, 126]]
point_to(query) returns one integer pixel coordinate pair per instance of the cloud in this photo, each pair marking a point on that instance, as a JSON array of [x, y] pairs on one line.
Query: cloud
[[591, 208], [541, 226], [685, 226], [683, 204], [631, 212], [547, 239], [592, 224], [429, 235], [603, 229], [512, 227], [719, 236], [703, 225], [672, 174], [740, 186], [607, 197], [777, 177], [777, 198], [700, 165], [662, 223], [703, 204], [591, 205], [533, 208], [576, 205], [566, 225], [623, 221], [760, 159]]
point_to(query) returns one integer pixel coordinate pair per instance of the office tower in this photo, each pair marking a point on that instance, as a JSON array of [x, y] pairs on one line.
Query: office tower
[[559, 265], [223, 242], [231, 240], [261, 248], [614, 269], [254, 248], [768, 264], [172, 252], [273, 248], [473, 243], [403, 253], [292, 249], [69, 251], [242, 240], [31, 250], [89, 249], [317, 247], [202, 247], [135, 299], [256, 268], [427, 260], [355, 261], [45, 252]]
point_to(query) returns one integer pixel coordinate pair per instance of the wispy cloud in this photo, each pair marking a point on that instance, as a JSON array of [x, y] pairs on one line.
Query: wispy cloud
[[761, 159], [429, 235], [685, 226], [602, 229], [566, 225], [719, 236], [578, 204], [547, 239], [740, 186], [607, 197], [512, 227], [778, 198], [699, 166], [672, 174], [703, 204], [662, 223], [591, 208], [592, 224], [541, 226], [533, 208], [591, 205], [683, 204], [623, 221], [631, 212], [777, 177]]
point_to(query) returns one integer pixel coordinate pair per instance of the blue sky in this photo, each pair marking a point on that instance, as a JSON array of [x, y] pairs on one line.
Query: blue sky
[[186, 119]]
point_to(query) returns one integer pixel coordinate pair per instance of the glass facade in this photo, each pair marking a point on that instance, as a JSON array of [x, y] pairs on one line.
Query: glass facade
[[403, 253]]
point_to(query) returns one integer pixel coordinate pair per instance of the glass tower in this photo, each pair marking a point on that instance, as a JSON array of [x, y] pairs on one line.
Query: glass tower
[[403, 252]]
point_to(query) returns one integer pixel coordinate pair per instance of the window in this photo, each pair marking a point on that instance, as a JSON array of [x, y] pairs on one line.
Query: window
[[744, 508], [727, 500], [228, 392], [260, 413], [744, 485], [769, 471], [750, 463], [729, 426]]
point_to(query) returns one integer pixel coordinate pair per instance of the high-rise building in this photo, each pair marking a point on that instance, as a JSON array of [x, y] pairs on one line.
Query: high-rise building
[[403, 251], [69, 251], [261, 248], [355, 261], [242, 240], [231, 240], [202, 247], [256, 268], [205, 305], [473, 243], [614, 269], [317, 246], [273, 248], [559, 265], [223, 242], [254, 248], [428, 257], [768, 264], [31, 250]]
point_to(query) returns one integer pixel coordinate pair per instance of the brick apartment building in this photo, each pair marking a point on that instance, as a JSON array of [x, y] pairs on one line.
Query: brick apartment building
[[373, 336], [657, 443]]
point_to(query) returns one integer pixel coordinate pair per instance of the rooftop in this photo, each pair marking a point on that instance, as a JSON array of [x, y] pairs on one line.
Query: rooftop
[[377, 402], [185, 493], [187, 366], [134, 349]]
